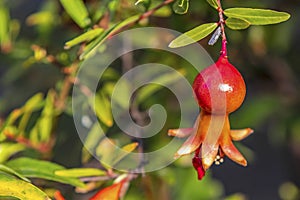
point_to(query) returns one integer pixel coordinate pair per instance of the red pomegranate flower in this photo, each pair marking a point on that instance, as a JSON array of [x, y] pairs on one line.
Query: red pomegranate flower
[[219, 90]]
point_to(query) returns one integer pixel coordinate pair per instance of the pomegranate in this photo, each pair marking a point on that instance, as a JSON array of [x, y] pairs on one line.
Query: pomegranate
[[219, 90], [221, 80]]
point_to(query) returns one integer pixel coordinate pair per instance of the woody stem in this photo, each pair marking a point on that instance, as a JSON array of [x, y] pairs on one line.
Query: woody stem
[[222, 22]]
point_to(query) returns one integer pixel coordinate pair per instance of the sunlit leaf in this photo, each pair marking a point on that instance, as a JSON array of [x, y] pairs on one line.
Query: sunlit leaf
[[77, 11], [181, 6], [80, 172], [85, 37], [193, 35], [13, 116], [32, 168], [236, 24], [257, 16], [33, 103], [40, 18], [102, 107], [41, 132], [109, 193], [8, 170], [11, 186], [91, 49], [4, 28], [213, 3], [124, 152], [8, 149], [9, 131]]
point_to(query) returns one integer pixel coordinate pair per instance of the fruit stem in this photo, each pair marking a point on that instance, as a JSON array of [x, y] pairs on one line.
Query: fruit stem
[[223, 52]]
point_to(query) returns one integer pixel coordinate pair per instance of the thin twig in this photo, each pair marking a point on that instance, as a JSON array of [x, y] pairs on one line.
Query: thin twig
[[222, 22]]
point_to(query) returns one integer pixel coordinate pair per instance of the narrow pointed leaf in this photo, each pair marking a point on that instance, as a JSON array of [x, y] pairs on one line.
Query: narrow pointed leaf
[[33, 103], [125, 151], [77, 11], [236, 24], [80, 172], [257, 16], [85, 37], [8, 170], [91, 49], [8, 149], [102, 108], [213, 3], [181, 6], [10, 186], [4, 28], [32, 168], [94, 136], [193, 35], [45, 122]]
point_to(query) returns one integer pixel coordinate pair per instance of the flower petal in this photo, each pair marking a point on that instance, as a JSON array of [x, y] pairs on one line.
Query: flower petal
[[190, 145], [208, 155], [231, 151], [240, 134], [181, 132]]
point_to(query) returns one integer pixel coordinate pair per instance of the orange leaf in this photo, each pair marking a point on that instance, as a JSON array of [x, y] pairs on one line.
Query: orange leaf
[[58, 195], [109, 193]]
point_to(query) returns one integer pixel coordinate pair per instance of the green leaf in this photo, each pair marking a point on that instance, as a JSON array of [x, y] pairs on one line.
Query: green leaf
[[145, 3], [102, 107], [13, 116], [257, 16], [77, 11], [8, 149], [193, 35], [213, 3], [33, 168], [10, 186], [80, 172], [110, 154], [181, 6], [33, 103], [91, 49], [105, 151], [41, 131], [164, 79], [121, 93], [85, 37], [4, 27], [236, 24], [127, 149], [94, 136], [8, 170]]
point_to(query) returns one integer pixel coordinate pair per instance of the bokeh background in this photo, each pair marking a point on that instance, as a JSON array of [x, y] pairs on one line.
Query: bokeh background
[[267, 56]]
